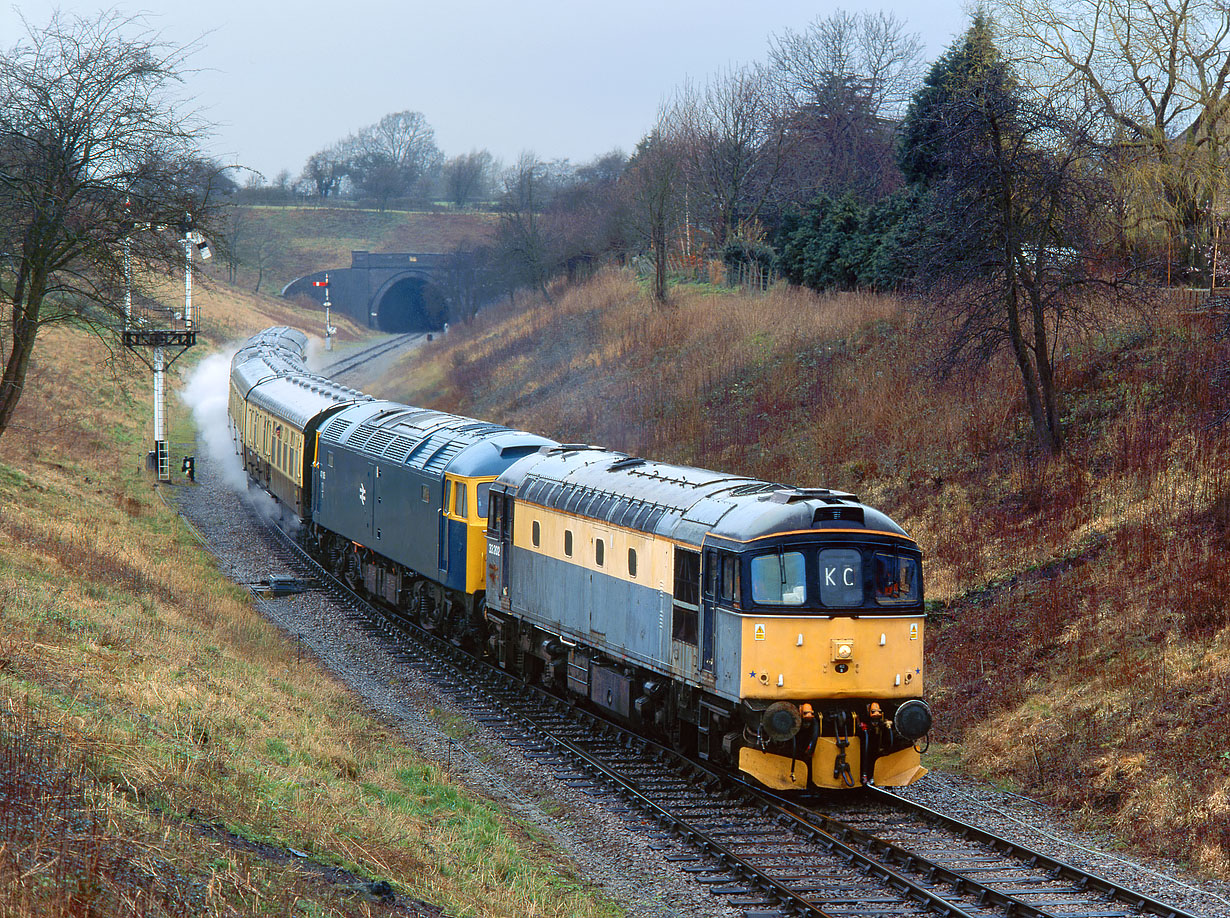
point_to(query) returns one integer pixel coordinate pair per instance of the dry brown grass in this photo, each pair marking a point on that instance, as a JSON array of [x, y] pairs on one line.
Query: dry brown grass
[[190, 740], [1080, 632]]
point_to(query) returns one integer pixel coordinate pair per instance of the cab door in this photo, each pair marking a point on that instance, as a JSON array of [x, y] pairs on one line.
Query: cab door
[[712, 579], [499, 546]]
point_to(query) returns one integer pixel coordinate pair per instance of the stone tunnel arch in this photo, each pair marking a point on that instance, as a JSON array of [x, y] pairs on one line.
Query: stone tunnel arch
[[409, 303]]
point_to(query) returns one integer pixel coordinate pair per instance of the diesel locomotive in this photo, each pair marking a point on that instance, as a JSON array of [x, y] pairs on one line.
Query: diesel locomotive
[[770, 630]]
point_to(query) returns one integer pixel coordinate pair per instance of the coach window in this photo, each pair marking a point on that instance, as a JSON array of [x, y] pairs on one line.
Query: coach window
[[599, 552], [536, 534], [568, 542], [632, 562]]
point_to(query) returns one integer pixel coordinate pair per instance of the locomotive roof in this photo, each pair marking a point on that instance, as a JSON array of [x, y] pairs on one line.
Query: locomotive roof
[[271, 372], [435, 441], [682, 502]]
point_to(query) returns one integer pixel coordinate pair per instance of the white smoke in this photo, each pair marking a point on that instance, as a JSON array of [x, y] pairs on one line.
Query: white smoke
[[206, 394]]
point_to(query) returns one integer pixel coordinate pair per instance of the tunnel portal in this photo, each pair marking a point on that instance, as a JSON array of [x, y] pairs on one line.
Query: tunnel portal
[[409, 304]]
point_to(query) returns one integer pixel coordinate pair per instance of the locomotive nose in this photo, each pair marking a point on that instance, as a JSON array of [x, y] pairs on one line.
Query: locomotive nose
[[913, 719]]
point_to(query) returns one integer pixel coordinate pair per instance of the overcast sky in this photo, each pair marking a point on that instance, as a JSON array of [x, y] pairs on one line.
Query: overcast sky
[[564, 79]]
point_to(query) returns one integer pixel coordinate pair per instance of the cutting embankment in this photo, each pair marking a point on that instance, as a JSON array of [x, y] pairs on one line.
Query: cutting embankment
[[1079, 639], [164, 750]]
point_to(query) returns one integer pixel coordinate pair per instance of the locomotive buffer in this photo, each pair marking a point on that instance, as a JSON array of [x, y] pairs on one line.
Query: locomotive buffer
[[159, 335]]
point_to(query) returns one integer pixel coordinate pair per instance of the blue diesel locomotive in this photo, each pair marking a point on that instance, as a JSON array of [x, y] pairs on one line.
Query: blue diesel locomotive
[[770, 630]]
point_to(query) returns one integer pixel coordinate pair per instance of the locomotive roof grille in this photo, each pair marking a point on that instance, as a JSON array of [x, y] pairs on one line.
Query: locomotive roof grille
[[336, 427], [440, 458]]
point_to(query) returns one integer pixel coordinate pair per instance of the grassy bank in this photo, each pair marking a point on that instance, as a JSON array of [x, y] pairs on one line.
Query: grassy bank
[[307, 239], [1079, 646], [163, 749]]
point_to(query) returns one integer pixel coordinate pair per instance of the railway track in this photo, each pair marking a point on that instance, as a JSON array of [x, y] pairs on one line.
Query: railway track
[[873, 855], [352, 362]]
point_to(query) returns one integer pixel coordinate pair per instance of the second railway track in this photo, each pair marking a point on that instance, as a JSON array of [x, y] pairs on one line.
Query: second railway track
[[767, 857], [351, 362]]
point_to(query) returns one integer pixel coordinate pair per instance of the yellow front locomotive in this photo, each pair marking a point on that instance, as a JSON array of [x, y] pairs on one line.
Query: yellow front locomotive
[[770, 630]]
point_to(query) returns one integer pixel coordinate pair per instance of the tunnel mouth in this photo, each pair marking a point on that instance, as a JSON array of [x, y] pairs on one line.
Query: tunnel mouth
[[410, 304]]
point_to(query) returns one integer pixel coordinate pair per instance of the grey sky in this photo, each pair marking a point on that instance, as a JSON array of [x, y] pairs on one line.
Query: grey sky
[[567, 80]]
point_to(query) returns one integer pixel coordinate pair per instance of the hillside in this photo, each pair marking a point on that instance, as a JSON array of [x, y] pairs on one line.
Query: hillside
[[164, 749], [1079, 640], [294, 241]]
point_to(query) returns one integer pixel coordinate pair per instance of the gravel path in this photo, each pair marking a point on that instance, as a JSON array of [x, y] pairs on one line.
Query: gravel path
[[603, 846]]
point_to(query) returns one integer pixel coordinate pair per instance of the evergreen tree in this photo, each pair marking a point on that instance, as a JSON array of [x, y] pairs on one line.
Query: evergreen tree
[[972, 65], [1013, 202]]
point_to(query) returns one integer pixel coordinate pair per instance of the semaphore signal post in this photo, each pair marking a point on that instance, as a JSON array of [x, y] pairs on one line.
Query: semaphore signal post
[[159, 334]]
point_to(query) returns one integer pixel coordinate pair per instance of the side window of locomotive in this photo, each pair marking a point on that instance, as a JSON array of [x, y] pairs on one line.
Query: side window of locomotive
[[632, 563], [599, 552], [730, 578], [713, 574], [482, 493], [536, 533], [495, 521], [568, 542], [779, 579], [841, 577], [459, 499], [425, 491], [330, 458], [896, 579]]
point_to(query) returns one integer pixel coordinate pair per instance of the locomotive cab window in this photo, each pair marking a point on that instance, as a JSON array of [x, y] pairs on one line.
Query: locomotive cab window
[[482, 494], [897, 581], [599, 552], [779, 579], [568, 542], [632, 562], [536, 533], [459, 499]]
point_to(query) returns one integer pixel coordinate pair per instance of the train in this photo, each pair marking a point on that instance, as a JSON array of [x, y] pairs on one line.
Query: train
[[769, 630]]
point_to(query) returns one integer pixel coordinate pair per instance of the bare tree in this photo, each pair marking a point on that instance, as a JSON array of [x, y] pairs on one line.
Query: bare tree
[[390, 156], [654, 191], [325, 170], [92, 142], [1158, 72], [734, 137], [871, 51], [1015, 208], [849, 77], [524, 240], [467, 177]]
